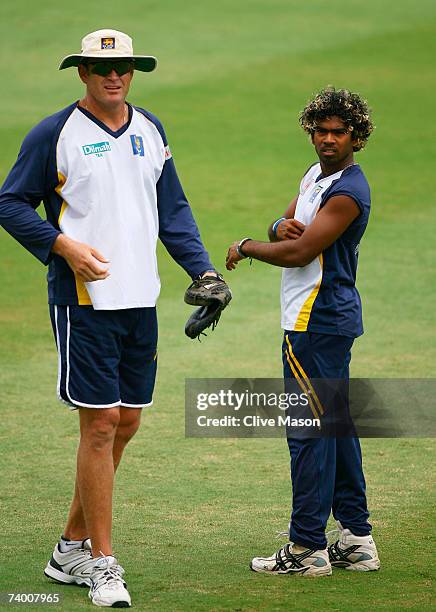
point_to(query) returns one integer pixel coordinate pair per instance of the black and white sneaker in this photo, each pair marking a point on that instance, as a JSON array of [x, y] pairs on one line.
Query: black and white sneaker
[[292, 559], [352, 552], [108, 588], [73, 566]]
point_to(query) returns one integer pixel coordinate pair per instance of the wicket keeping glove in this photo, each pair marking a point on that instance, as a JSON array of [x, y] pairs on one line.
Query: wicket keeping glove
[[212, 294]]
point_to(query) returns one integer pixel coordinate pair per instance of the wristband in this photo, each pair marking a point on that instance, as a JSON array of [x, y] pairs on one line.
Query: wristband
[[239, 247], [276, 224]]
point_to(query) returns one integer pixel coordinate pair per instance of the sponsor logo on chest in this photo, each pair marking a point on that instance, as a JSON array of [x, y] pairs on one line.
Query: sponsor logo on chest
[[137, 145], [97, 149], [315, 193], [305, 187]]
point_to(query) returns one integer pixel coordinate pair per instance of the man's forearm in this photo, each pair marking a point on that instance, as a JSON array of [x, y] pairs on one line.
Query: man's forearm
[[286, 253]]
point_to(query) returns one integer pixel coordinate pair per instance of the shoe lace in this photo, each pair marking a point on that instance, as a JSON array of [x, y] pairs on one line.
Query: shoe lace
[[109, 574], [88, 562]]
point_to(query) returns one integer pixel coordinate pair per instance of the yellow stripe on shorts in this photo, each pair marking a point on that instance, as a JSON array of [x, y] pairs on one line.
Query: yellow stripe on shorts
[[304, 376]]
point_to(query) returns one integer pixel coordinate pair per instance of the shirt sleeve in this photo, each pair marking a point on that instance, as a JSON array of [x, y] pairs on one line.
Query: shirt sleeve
[[178, 230], [26, 185], [353, 184]]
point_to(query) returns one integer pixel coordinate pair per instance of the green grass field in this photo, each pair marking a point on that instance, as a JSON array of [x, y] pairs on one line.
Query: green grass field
[[232, 78]]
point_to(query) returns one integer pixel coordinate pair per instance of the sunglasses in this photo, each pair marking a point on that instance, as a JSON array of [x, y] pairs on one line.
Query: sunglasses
[[105, 68]]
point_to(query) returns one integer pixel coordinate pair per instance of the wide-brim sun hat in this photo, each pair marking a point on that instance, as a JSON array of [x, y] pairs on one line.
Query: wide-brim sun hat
[[109, 45]]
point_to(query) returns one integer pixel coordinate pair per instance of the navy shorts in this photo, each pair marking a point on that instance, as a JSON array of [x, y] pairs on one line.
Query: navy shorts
[[107, 358]]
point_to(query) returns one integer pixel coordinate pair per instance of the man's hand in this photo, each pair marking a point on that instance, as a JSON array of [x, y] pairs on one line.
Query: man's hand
[[233, 256], [289, 229], [81, 258]]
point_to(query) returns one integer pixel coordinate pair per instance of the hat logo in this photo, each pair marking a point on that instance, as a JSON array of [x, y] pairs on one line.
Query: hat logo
[[108, 43]]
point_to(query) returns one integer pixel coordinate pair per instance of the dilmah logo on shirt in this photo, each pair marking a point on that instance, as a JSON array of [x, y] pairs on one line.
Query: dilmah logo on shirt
[[137, 145], [96, 149]]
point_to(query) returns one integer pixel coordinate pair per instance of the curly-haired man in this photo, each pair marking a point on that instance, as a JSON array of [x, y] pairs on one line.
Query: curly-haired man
[[316, 242]]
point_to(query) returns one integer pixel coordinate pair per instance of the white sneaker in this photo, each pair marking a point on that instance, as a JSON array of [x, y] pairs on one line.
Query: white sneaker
[[108, 588], [73, 566], [292, 559], [353, 552]]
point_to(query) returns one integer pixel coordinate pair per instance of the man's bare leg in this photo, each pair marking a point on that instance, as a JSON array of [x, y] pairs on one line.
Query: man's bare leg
[[127, 427], [76, 527], [95, 474], [130, 419]]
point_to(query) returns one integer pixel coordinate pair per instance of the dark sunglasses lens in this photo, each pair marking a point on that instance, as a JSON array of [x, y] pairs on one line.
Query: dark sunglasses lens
[[101, 68], [105, 68], [123, 68]]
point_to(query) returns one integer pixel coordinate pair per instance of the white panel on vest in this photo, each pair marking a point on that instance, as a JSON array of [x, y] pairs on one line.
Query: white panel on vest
[[110, 192]]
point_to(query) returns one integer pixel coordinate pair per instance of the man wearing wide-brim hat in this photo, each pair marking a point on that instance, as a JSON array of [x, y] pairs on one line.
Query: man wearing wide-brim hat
[[106, 175], [109, 44]]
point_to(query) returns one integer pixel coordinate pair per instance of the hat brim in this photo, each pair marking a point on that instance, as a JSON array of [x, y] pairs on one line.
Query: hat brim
[[144, 63]]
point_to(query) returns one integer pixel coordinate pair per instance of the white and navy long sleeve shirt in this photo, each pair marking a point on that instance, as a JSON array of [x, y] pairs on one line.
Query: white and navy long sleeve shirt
[[115, 191]]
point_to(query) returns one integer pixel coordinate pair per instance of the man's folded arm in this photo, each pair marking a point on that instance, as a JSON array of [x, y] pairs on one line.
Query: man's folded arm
[[331, 221]]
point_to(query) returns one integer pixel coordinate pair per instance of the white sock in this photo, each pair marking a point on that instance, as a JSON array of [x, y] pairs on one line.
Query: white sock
[[65, 545]]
